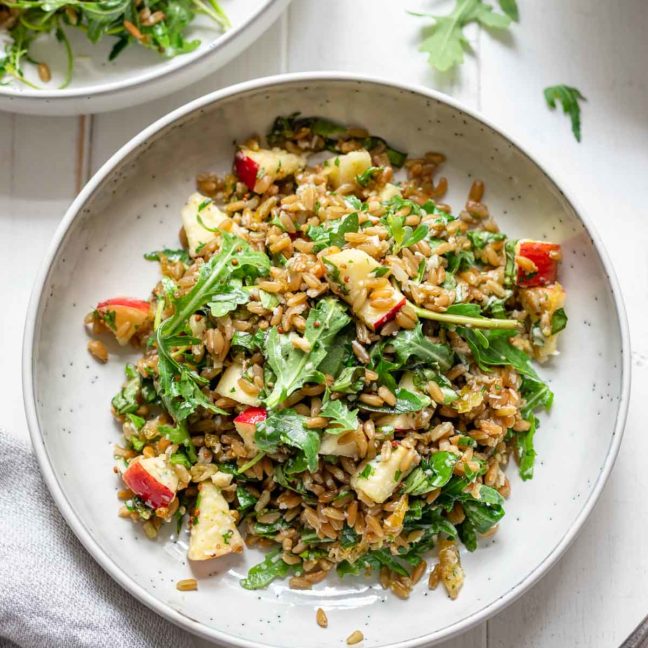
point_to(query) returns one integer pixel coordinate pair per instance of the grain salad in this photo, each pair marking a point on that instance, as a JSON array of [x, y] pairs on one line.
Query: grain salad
[[335, 367]]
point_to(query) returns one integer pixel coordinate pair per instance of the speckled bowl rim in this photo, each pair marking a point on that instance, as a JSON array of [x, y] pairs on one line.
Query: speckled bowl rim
[[216, 47], [34, 309]]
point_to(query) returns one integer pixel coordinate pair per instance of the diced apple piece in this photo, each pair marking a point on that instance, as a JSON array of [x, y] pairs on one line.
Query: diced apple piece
[[404, 422], [330, 446], [541, 303], [246, 423], [348, 272], [124, 316], [378, 479], [537, 263], [400, 422], [389, 191], [213, 528], [152, 479], [258, 169], [229, 387], [197, 209], [343, 169]]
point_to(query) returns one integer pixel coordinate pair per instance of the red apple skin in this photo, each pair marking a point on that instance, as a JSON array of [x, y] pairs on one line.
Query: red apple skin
[[389, 315], [127, 302], [246, 169], [543, 256], [146, 487], [252, 416]]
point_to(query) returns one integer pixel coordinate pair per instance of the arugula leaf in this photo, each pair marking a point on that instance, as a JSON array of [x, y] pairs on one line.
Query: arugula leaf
[[459, 261], [180, 458], [493, 348], [269, 301], [413, 348], [446, 43], [180, 436], [179, 386], [172, 255], [344, 419], [403, 236], [234, 260], [348, 537], [481, 238], [468, 534], [396, 158], [245, 499], [483, 516], [364, 178], [98, 19], [422, 376], [568, 97], [406, 402], [251, 342], [125, 401], [228, 300], [536, 395], [433, 472], [265, 572], [558, 321], [287, 427], [510, 8], [332, 232], [294, 367], [349, 381]]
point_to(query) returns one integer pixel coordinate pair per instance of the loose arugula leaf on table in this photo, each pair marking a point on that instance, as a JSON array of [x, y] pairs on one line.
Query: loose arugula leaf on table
[[293, 367], [265, 572], [510, 8], [288, 428], [568, 97], [446, 42], [332, 232]]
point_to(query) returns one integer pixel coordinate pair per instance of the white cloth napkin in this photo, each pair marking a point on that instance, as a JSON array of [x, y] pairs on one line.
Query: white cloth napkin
[[52, 593]]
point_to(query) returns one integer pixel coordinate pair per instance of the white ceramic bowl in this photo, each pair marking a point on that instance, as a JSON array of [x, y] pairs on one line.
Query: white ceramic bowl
[[137, 75], [132, 205]]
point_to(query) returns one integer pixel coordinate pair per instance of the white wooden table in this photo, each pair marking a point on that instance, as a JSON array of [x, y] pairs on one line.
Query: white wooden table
[[598, 592]]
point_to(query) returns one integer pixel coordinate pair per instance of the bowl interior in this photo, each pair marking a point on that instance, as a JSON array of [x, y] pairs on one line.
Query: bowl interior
[[93, 69], [136, 207]]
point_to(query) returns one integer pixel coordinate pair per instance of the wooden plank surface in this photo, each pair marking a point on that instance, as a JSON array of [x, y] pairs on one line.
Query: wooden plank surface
[[596, 594]]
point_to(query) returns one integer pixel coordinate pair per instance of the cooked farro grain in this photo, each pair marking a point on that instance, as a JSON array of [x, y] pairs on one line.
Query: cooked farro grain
[[98, 349], [340, 369], [187, 585]]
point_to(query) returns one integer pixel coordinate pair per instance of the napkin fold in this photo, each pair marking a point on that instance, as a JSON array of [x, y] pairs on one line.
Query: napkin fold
[[53, 594]]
